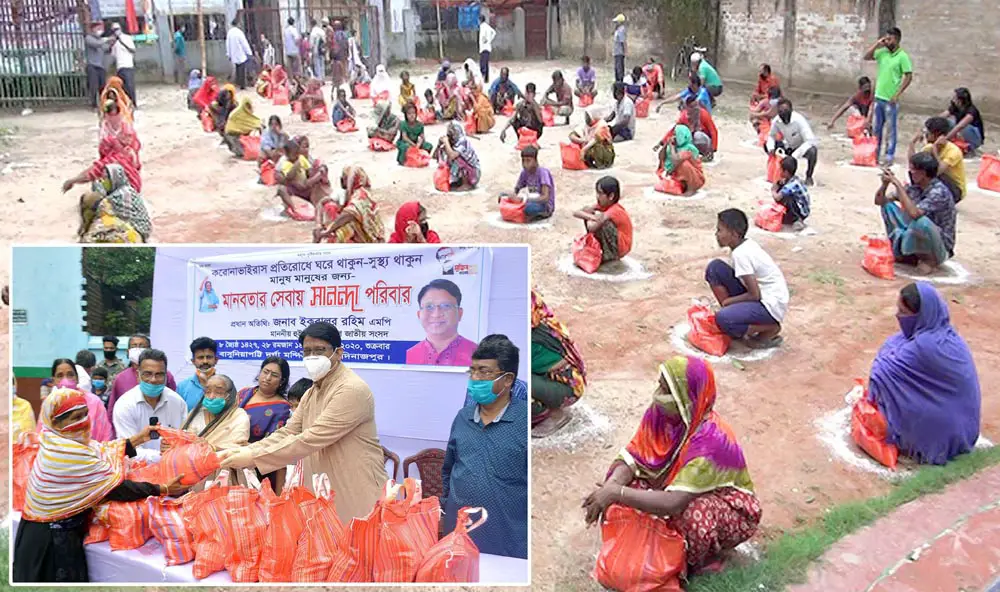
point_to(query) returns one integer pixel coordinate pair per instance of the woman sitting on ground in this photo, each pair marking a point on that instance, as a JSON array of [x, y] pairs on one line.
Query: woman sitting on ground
[[455, 151], [558, 375], [608, 221], [221, 107], [473, 77], [114, 91], [381, 84], [312, 98], [74, 474], [766, 110], [267, 407], [924, 381], [386, 124], [412, 225], [681, 159], [358, 221], [594, 138], [685, 464], [241, 122], [298, 180], [358, 76], [217, 418], [273, 140], [535, 186], [205, 95], [967, 123], [411, 134], [194, 83], [263, 84], [450, 99], [482, 111], [342, 108]]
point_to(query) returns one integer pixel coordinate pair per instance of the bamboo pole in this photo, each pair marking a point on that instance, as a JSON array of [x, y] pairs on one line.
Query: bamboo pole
[[201, 38], [437, 4]]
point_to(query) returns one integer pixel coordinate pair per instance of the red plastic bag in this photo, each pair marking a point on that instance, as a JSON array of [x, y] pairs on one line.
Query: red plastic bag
[[364, 534], [296, 107], [206, 518], [251, 147], [587, 253], [770, 216], [128, 525], [324, 538], [869, 430], [442, 179], [962, 145], [247, 525], [642, 108], [409, 528], [455, 558], [879, 259], [705, 333], [207, 123], [865, 151], [989, 173], [380, 145], [572, 157], [855, 126], [774, 167], [639, 552], [416, 158], [189, 455], [380, 97], [280, 95], [98, 532], [513, 211], [346, 125], [526, 137], [470, 125], [268, 174], [362, 91], [586, 100], [166, 523], [548, 116], [285, 523], [302, 211], [427, 116], [668, 184], [763, 129], [24, 452], [318, 114], [508, 109]]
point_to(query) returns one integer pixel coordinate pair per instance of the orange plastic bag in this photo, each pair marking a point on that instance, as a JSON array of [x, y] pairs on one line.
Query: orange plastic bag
[[869, 430], [470, 125], [268, 174], [207, 520], [24, 452], [166, 523], [362, 91], [285, 523], [247, 526], [189, 455], [380, 145], [442, 179], [586, 100], [770, 216], [318, 115], [639, 552], [587, 253], [97, 532], [380, 97], [251, 147], [879, 259], [128, 525], [989, 173], [642, 108], [364, 543], [526, 137], [513, 211], [455, 558], [962, 145], [416, 158], [426, 116], [865, 151], [280, 95], [774, 166], [408, 530], [705, 333], [763, 129], [668, 184], [296, 107], [302, 211], [207, 123], [855, 126], [346, 125], [548, 116], [323, 537], [572, 157], [508, 109]]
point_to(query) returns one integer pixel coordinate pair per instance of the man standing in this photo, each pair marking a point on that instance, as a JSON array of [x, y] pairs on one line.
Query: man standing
[[291, 46], [895, 72], [339, 51], [204, 355], [180, 56], [709, 76], [317, 41], [150, 398], [85, 362], [797, 137], [486, 36], [495, 428], [97, 46], [620, 47], [123, 48], [129, 378], [239, 52], [111, 363]]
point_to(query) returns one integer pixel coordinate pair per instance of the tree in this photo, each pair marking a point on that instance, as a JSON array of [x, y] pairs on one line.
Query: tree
[[125, 279]]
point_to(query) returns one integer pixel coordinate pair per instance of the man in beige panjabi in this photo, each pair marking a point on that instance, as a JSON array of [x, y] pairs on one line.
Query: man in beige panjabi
[[332, 431]]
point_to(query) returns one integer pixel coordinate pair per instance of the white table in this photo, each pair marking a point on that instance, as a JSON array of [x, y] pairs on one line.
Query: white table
[[147, 565]]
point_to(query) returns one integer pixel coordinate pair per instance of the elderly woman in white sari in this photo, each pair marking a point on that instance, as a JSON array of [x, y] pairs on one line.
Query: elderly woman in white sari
[[381, 83], [218, 418]]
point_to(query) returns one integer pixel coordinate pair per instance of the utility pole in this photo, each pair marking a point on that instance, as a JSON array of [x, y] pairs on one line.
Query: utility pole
[[437, 3], [201, 38]]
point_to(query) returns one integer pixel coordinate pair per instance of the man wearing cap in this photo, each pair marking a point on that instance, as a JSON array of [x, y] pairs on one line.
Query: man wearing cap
[[709, 76], [123, 48], [620, 47], [97, 47]]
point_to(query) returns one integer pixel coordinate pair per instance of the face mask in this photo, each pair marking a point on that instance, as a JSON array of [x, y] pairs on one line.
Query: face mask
[[207, 373], [67, 384], [110, 355], [481, 391], [317, 366], [908, 324], [98, 383], [134, 353], [79, 430], [785, 116], [214, 406], [151, 390]]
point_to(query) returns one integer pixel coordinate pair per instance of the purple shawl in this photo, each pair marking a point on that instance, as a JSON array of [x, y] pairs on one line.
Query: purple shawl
[[926, 386]]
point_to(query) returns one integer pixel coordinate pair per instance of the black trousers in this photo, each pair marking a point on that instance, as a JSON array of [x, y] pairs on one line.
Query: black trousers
[[95, 83], [128, 79], [241, 75], [619, 68], [484, 65]]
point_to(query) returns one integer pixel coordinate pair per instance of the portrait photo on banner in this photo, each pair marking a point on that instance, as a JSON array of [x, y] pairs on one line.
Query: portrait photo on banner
[[270, 414]]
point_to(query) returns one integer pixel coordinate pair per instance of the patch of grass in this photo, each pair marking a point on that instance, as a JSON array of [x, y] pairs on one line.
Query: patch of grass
[[785, 560], [827, 277]]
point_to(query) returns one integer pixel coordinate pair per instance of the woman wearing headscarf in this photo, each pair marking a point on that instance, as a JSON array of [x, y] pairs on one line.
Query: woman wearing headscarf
[[113, 211], [482, 110], [456, 151], [218, 418], [924, 381], [450, 98], [411, 134], [65, 375], [71, 475], [221, 108], [358, 221], [241, 122], [473, 77], [114, 91], [268, 408], [381, 84], [118, 135], [681, 159], [312, 98], [194, 83], [386, 124], [593, 136], [412, 225], [558, 374], [684, 464], [207, 92]]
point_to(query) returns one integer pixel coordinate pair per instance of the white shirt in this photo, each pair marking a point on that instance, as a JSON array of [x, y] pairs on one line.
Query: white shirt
[[750, 259], [132, 413], [797, 134], [291, 41], [83, 379], [269, 55], [237, 46], [317, 37], [486, 36], [120, 50]]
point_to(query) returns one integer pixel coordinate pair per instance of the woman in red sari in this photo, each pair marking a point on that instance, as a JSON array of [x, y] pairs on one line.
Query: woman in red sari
[[119, 145], [412, 226]]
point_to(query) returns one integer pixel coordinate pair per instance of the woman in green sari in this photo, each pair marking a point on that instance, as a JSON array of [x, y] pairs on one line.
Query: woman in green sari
[[386, 124], [558, 375], [681, 159], [411, 133]]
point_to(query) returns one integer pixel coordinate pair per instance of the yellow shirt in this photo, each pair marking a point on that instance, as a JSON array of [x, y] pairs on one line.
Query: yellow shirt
[[952, 156], [286, 165]]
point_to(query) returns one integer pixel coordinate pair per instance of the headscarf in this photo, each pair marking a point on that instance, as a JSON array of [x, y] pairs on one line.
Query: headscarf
[[473, 70], [227, 410], [66, 455], [279, 76], [410, 212], [685, 140], [194, 80], [115, 126], [207, 93], [381, 81], [450, 88], [231, 88], [355, 178], [361, 206], [242, 121], [444, 71], [681, 443], [314, 90], [125, 200], [543, 318], [462, 145], [927, 386], [384, 118], [114, 90]]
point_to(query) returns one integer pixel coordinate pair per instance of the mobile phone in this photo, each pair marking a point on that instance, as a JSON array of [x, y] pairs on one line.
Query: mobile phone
[[154, 435]]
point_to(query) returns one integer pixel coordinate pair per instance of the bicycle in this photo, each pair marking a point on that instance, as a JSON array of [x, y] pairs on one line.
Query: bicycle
[[682, 62]]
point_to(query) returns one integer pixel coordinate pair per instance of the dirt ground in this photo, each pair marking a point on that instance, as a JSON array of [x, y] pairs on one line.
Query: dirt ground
[[838, 317]]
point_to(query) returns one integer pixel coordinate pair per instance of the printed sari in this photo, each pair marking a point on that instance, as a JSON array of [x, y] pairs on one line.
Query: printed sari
[[482, 111], [365, 225], [558, 374], [688, 170]]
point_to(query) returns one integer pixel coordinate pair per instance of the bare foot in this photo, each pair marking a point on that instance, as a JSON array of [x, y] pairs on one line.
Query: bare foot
[[551, 424], [924, 268]]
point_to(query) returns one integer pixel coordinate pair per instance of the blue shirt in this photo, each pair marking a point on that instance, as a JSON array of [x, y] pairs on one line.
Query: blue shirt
[[180, 50], [191, 391], [487, 466], [519, 392], [703, 97], [795, 196]]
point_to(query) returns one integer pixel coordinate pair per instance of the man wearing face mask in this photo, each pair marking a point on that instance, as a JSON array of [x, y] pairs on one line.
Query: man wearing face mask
[[204, 356], [128, 379], [486, 463], [797, 137], [333, 430], [111, 363], [150, 398]]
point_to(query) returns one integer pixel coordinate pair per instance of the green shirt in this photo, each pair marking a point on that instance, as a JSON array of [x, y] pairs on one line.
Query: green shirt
[[180, 50], [708, 75], [892, 65]]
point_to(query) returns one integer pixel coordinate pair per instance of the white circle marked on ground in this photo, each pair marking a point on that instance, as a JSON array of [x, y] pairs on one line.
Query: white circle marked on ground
[[274, 214], [950, 273], [626, 270], [737, 351], [585, 425], [751, 144], [494, 219], [607, 171], [652, 193], [842, 138], [786, 232], [477, 191], [979, 189], [850, 165]]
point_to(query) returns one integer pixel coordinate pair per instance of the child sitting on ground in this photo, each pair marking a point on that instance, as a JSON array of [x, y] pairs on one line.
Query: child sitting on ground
[[535, 186], [359, 76], [608, 221], [430, 107], [407, 90], [272, 141], [342, 109], [792, 193], [752, 291]]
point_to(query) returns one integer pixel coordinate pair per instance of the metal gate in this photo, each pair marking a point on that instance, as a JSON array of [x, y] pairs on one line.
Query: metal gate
[[41, 52], [262, 17]]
